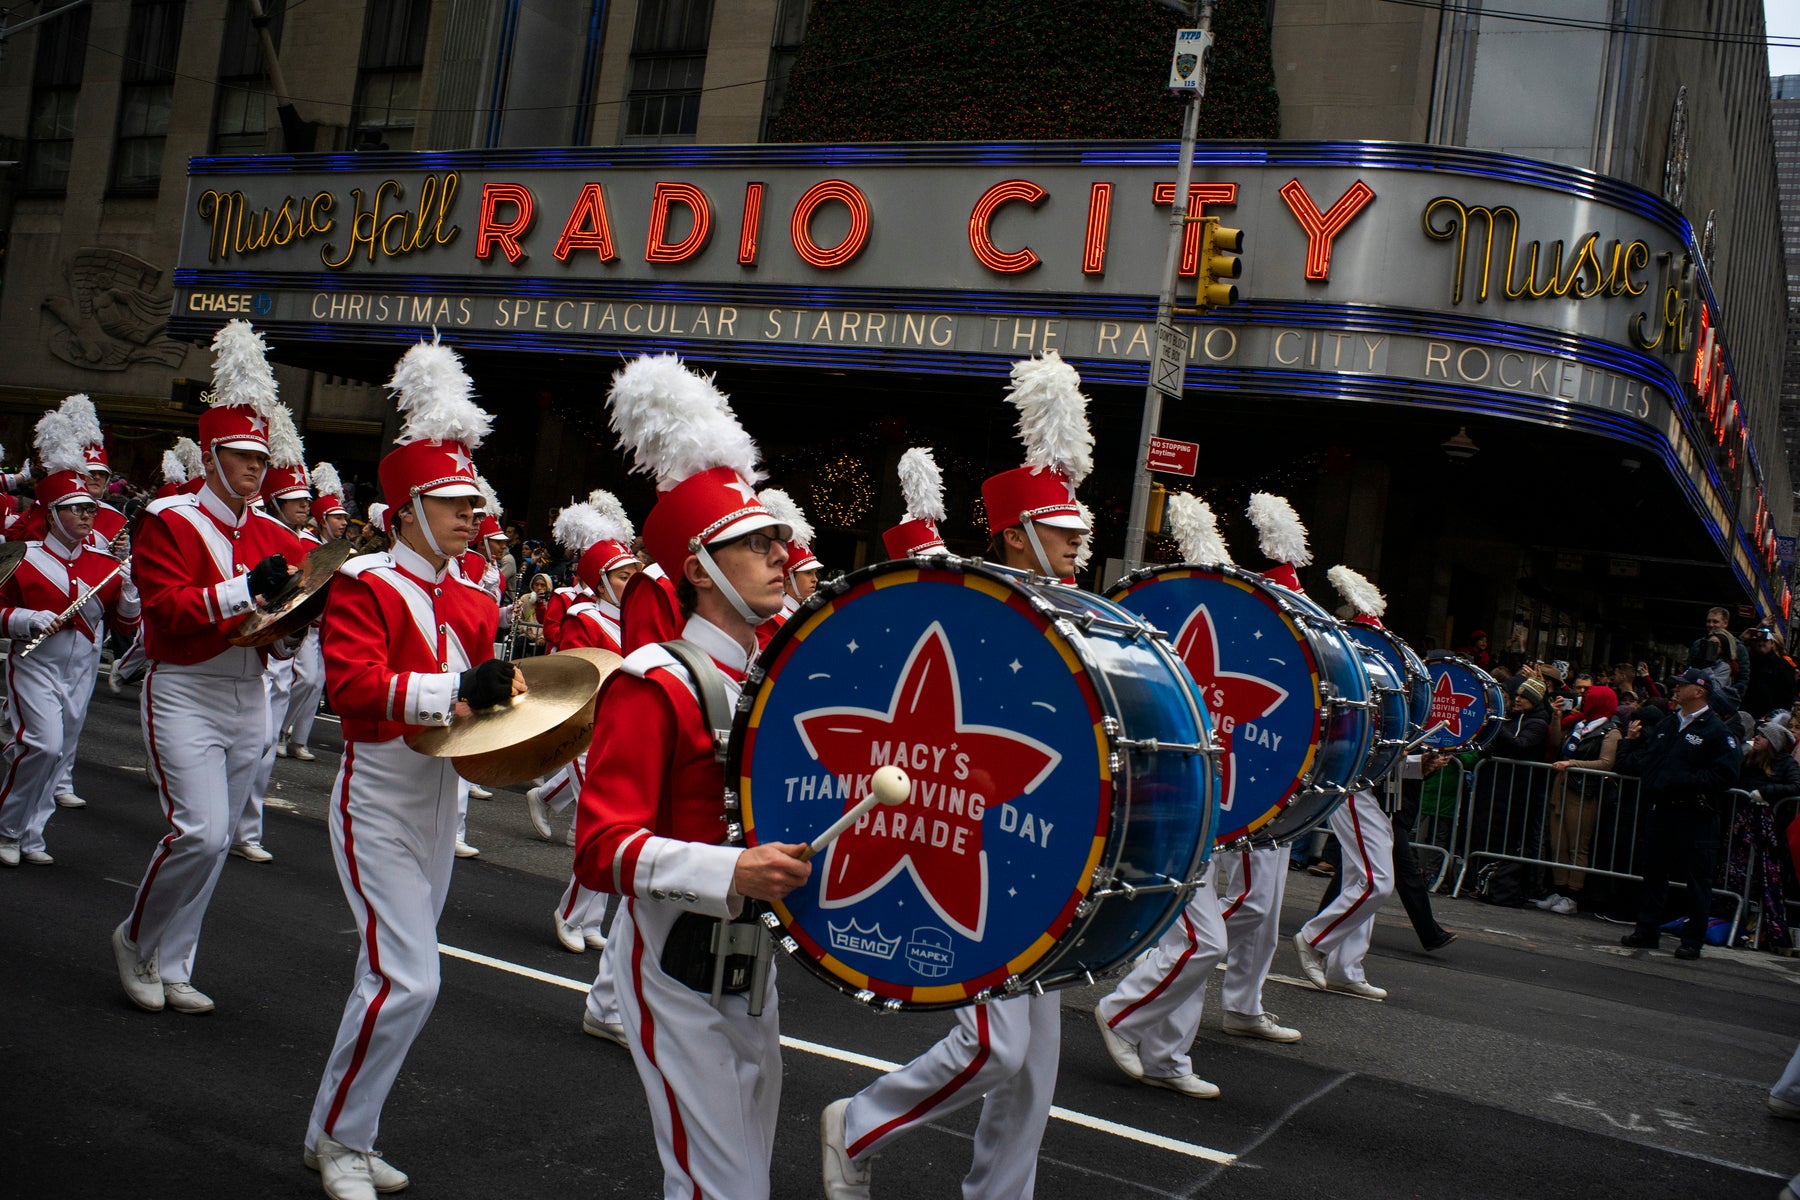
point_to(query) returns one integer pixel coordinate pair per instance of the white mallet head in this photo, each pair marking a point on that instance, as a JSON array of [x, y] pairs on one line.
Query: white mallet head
[[891, 785]]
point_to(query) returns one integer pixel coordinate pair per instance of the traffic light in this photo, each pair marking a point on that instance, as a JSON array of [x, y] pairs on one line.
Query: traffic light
[[1219, 250], [1154, 515]]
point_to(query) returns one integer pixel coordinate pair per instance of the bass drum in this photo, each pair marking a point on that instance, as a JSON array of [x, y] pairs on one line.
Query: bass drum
[[1405, 662], [1465, 700], [1392, 718], [1063, 795], [1288, 693]]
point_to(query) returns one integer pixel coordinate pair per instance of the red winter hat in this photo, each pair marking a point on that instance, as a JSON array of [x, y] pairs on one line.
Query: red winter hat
[[1059, 449], [680, 428], [922, 486], [432, 455]]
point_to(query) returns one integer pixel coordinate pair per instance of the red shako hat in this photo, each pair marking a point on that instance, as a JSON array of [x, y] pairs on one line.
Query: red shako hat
[[1059, 449], [598, 534], [490, 511], [286, 478], [62, 438], [243, 397], [433, 455], [1360, 595], [922, 485], [788, 512], [330, 500], [680, 428], [1281, 537]]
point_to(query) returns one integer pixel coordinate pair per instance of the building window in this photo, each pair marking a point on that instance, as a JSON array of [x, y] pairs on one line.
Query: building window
[[246, 105], [55, 85], [146, 95], [790, 30], [668, 63], [387, 85]]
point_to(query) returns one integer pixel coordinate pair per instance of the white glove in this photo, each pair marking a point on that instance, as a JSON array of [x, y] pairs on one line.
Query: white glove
[[38, 620], [25, 472]]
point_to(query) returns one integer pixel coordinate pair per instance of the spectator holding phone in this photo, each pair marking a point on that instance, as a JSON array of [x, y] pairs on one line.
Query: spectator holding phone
[[1592, 744], [1772, 685]]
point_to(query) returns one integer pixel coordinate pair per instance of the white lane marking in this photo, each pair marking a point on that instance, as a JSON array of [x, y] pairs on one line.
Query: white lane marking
[[120, 882], [1276, 1125], [1098, 1124]]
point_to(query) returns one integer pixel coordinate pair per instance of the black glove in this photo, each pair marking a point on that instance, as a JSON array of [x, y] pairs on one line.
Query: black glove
[[486, 685], [268, 576]]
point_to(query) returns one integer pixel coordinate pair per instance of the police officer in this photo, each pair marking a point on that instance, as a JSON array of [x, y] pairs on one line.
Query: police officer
[[1685, 765]]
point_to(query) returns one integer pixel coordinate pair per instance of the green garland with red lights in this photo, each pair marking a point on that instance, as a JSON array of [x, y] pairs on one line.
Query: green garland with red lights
[[992, 70]]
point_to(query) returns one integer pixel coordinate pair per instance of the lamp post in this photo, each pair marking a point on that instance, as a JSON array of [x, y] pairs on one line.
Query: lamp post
[[1192, 93]]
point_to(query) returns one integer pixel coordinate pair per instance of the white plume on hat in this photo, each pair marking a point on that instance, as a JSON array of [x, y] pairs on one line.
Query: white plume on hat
[[1281, 536], [241, 372], [787, 512], [173, 469], [1196, 531], [577, 527], [285, 446], [617, 526], [378, 515], [326, 482], [1357, 591], [490, 500], [188, 451], [59, 441], [436, 396], [922, 485], [1053, 420], [676, 423], [84, 422]]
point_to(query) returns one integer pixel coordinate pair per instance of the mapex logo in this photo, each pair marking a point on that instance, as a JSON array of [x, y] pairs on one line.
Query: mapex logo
[[929, 952], [854, 939], [258, 304]]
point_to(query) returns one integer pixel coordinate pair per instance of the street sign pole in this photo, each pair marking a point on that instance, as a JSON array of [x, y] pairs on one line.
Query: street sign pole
[[1184, 169]]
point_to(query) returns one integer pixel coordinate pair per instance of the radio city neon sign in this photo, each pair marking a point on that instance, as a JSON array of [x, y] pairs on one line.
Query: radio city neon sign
[[383, 223]]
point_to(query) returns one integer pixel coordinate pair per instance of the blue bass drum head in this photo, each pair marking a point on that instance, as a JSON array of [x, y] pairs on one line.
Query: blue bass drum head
[[1466, 699], [1257, 676], [957, 678]]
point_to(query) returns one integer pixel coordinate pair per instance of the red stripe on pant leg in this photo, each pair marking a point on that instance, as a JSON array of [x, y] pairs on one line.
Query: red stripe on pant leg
[[1181, 961], [574, 895], [1231, 910], [367, 1032], [162, 788], [1368, 873], [18, 719], [562, 781], [941, 1095], [647, 1035]]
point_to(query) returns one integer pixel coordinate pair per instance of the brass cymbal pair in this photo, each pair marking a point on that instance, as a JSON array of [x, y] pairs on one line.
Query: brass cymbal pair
[[531, 734]]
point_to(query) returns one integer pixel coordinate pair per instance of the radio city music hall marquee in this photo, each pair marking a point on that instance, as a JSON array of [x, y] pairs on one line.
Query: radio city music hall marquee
[[1411, 265]]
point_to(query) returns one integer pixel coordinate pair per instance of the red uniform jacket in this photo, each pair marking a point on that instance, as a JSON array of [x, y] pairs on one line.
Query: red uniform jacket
[[396, 638], [190, 560], [48, 580], [591, 623], [550, 616], [652, 817]]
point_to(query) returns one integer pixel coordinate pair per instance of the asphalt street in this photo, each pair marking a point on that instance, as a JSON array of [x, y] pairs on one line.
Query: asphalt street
[[1533, 1059]]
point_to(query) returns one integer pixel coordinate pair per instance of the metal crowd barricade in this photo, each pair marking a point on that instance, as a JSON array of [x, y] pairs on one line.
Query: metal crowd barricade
[[1439, 813], [1742, 800], [1516, 811]]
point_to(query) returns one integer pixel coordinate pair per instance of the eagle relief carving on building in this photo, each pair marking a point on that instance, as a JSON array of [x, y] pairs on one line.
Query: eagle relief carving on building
[[115, 313]]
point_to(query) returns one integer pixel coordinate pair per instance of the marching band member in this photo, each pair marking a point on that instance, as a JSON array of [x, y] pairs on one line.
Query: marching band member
[[287, 496], [922, 487], [1149, 1021], [49, 690], [11, 482], [550, 613], [803, 567], [174, 473], [329, 518], [201, 561], [1003, 1053], [408, 642], [177, 470], [1333, 944], [652, 823]]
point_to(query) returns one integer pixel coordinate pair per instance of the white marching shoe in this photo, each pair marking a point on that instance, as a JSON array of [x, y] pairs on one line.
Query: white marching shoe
[[143, 984], [383, 1176], [568, 935], [1262, 1025], [298, 750], [844, 1178], [185, 997], [1358, 987], [539, 813], [477, 792], [1123, 1053], [252, 852], [69, 800], [464, 850], [9, 852], [610, 1031], [1311, 961], [281, 750]]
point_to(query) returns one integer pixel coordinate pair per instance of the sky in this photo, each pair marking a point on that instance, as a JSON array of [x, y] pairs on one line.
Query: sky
[[1783, 18]]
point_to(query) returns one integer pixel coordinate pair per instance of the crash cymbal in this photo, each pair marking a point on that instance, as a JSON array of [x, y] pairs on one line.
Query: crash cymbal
[[559, 686], [549, 750], [11, 555], [299, 603]]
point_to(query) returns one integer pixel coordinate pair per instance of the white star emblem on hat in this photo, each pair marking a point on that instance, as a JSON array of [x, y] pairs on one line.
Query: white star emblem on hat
[[93, 454], [459, 460], [258, 425], [744, 490]]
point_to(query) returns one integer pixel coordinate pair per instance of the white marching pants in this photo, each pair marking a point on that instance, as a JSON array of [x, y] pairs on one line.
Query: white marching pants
[[49, 698], [583, 908], [603, 997], [194, 720], [1342, 929], [129, 665], [1252, 884], [303, 700], [392, 825], [279, 680], [563, 788], [1003, 1053], [712, 1076], [1157, 1006], [82, 693]]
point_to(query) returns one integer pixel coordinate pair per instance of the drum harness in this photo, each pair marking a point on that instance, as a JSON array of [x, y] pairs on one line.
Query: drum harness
[[717, 955]]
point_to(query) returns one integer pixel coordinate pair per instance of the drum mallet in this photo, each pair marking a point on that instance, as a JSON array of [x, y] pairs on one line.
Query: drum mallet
[[890, 786]]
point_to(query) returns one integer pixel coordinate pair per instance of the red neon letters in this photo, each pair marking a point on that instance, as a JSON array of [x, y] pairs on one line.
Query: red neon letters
[[492, 230], [988, 254], [752, 226], [587, 227], [836, 256], [1093, 248], [1322, 227], [656, 249], [1199, 196]]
